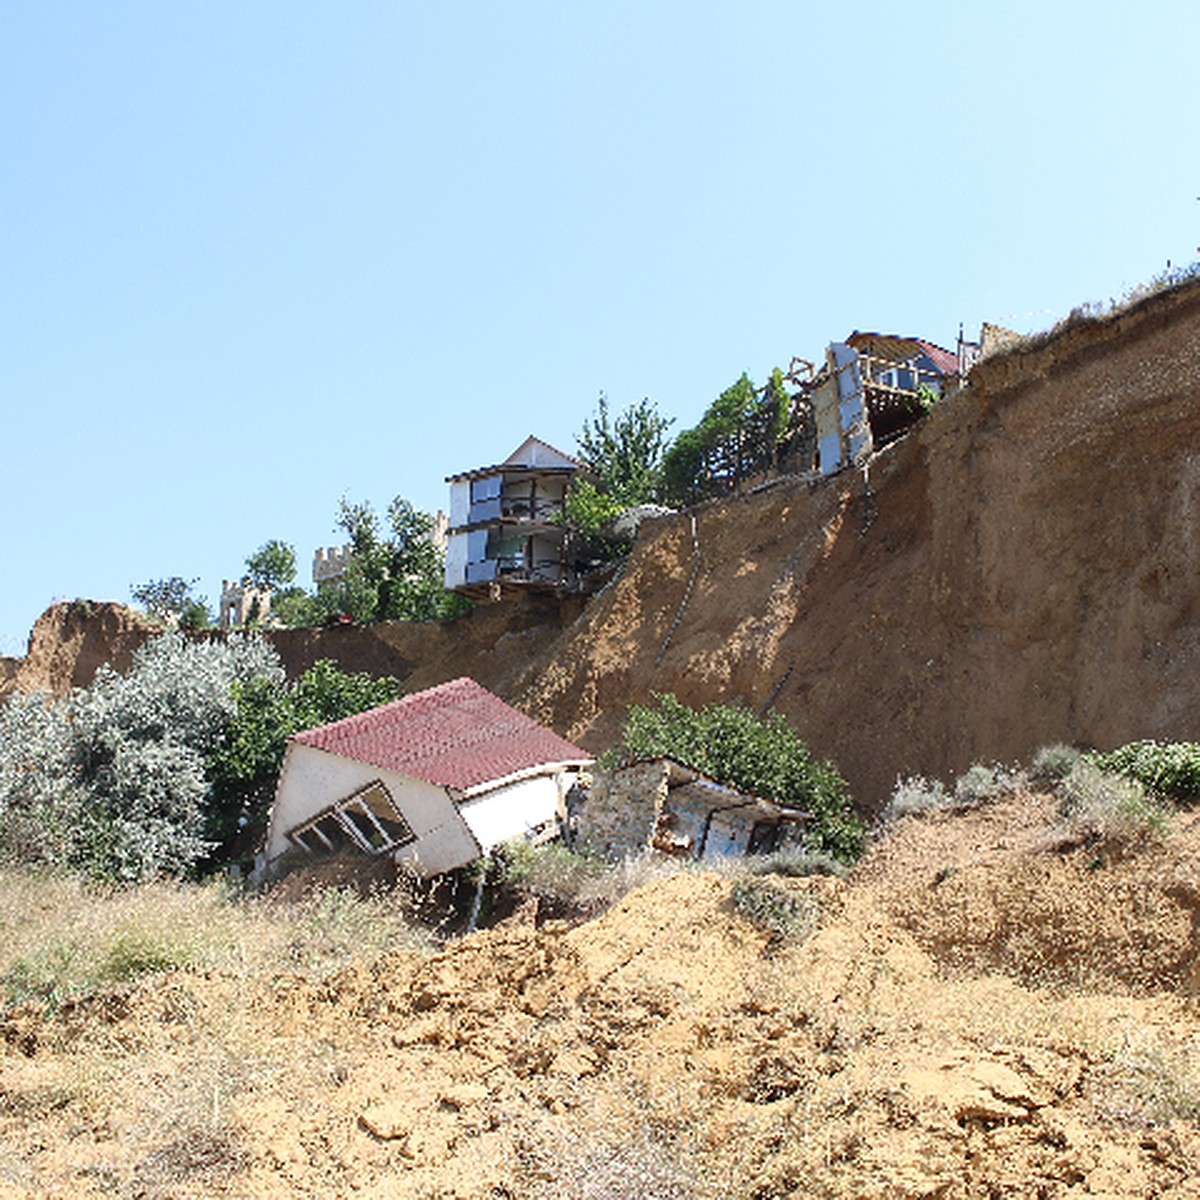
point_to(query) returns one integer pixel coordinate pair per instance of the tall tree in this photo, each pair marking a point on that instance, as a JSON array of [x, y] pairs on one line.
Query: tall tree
[[737, 438], [626, 452], [171, 600], [244, 766], [272, 566], [395, 573]]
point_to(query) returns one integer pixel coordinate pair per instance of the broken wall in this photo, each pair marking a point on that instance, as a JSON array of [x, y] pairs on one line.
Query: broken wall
[[619, 814]]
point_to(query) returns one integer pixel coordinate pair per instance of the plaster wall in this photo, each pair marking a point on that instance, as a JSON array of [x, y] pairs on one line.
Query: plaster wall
[[513, 811], [311, 780]]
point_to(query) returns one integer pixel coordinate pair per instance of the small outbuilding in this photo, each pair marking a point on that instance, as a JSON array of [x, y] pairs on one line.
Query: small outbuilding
[[434, 781], [662, 804]]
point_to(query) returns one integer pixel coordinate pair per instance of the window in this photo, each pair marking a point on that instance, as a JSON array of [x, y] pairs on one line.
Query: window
[[367, 822]]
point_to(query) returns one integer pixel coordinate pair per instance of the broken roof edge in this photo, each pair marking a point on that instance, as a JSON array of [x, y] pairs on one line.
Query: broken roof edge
[[680, 774], [491, 785], [945, 360]]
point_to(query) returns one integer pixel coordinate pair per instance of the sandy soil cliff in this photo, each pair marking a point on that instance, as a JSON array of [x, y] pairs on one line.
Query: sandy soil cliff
[[1023, 568]]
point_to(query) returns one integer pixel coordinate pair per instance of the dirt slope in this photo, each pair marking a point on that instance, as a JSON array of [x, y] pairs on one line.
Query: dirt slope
[[920, 1041], [494, 644], [1023, 568], [70, 641]]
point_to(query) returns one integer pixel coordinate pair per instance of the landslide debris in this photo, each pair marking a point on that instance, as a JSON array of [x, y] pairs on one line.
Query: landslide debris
[[953, 1024]]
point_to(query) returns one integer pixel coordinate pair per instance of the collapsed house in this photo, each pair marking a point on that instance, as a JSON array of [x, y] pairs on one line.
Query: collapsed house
[[434, 781], [870, 389], [664, 805]]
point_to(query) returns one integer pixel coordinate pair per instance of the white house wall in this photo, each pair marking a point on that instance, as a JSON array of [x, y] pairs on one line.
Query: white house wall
[[535, 453], [460, 503], [512, 811], [312, 779], [457, 546]]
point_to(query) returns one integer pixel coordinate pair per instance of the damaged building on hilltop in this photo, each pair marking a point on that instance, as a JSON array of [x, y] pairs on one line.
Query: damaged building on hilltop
[[870, 389]]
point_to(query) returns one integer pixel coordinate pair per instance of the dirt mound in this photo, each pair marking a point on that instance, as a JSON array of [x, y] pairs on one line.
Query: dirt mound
[[1009, 888], [69, 643], [678, 1046]]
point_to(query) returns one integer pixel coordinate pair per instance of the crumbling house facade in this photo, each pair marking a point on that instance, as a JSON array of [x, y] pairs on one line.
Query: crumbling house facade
[[505, 521], [870, 389], [664, 805], [433, 781]]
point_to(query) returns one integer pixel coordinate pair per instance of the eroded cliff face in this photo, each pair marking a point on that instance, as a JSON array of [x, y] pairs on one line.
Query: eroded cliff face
[[70, 641], [1022, 568], [494, 644]]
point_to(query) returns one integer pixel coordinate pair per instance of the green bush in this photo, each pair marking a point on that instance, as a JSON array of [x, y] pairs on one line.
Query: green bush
[[1170, 768], [763, 756], [979, 783], [111, 780], [916, 794], [1054, 762], [797, 864], [552, 871]]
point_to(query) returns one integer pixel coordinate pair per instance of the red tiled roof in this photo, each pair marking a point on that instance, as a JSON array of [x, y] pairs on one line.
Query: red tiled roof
[[946, 361], [456, 735]]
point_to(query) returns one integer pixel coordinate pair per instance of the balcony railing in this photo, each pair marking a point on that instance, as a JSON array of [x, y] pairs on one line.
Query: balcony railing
[[515, 570], [515, 508]]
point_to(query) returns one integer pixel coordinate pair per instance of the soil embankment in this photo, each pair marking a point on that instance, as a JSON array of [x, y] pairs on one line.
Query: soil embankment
[[1023, 568], [70, 642]]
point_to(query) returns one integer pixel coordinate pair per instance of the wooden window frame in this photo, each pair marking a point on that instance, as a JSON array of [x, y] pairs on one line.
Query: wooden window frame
[[350, 830]]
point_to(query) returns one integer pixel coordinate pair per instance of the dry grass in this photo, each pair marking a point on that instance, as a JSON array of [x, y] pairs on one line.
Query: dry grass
[[168, 1009], [61, 938], [1112, 811], [1098, 312], [657, 1052]]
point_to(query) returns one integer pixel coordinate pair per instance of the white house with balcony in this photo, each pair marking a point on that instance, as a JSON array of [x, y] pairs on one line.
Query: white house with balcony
[[505, 521]]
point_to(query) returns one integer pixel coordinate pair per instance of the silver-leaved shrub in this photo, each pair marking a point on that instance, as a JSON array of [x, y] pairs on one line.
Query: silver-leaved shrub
[[111, 780]]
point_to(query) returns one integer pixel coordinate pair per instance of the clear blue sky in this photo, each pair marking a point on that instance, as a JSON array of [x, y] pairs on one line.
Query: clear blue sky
[[261, 255]]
